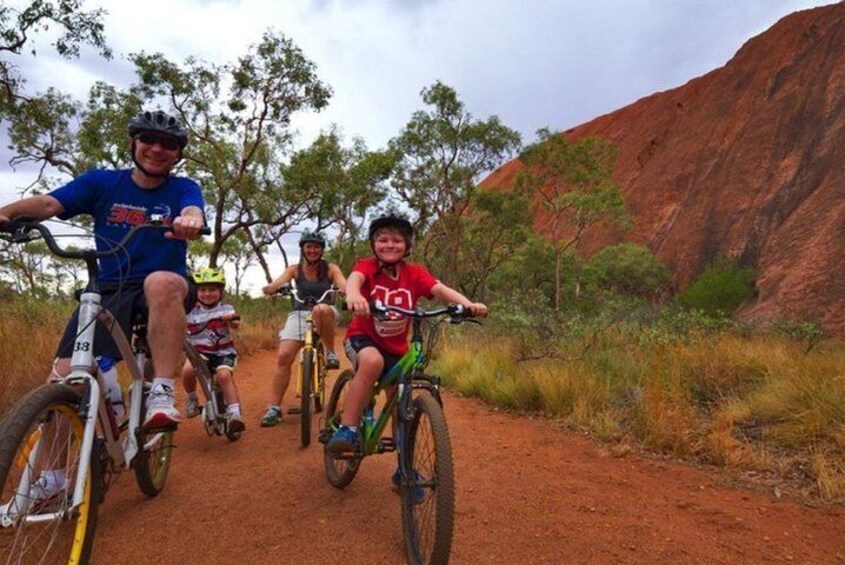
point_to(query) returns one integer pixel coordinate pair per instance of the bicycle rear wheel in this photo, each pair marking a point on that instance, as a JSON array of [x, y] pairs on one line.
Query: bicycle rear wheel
[[306, 379], [339, 472], [427, 483], [41, 440], [152, 463]]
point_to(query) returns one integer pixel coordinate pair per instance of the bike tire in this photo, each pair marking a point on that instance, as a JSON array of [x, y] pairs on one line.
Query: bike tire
[[152, 463], [428, 495], [306, 378], [69, 539], [339, 472], [320, 392]]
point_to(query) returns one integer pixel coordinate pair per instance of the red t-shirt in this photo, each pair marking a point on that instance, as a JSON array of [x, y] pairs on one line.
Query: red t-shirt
[[414, 281]]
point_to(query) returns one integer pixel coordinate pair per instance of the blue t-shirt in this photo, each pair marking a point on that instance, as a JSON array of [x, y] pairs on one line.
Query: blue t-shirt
[[117, 204]]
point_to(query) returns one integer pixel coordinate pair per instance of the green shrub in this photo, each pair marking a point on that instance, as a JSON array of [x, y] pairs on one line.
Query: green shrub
[[627, 269], [720, 289]]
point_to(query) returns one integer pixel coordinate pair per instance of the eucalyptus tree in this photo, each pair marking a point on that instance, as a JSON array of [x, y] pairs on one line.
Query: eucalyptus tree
[[572, 186], [238, 116], [75, 26], [343, 184], [444, 153]]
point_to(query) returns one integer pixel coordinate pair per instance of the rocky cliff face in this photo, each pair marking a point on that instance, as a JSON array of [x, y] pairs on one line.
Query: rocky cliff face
[[749, 161]]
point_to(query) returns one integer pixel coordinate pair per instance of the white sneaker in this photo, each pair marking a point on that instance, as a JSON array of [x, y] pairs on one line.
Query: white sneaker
[[161, 408], [42, 493], [192, 407]]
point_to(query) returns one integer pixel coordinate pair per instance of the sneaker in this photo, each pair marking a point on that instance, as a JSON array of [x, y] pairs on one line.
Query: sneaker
[[42, 495], [161, 408], [235, 423], [332, 362], [271, 418], [419, 492], [192, 407], [343, 440]]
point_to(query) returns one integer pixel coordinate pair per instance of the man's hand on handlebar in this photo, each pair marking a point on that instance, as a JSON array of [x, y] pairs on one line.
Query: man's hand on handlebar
[[187, 226]]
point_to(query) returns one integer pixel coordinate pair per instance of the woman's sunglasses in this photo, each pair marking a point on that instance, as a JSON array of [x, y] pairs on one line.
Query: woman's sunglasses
[[169, 143]]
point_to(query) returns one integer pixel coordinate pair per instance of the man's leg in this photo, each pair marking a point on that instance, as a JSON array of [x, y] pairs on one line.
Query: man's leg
[[165, 295]]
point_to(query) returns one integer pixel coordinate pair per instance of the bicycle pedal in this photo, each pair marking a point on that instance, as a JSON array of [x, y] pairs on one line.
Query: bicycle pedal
[[294, 410], [386, 445]]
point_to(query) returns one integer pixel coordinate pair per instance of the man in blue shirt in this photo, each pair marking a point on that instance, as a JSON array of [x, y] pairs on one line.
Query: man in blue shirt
[[152, 272]]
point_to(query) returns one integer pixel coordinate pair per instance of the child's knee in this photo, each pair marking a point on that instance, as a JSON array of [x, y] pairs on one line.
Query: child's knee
[[224, 376]]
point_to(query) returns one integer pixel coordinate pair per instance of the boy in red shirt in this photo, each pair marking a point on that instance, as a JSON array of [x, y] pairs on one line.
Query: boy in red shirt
[[374, 345]]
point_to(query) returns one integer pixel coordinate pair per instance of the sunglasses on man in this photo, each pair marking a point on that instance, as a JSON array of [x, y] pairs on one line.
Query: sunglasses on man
[[166, 142]]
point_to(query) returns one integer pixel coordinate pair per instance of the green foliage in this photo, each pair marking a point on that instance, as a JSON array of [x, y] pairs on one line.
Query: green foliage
[[572, 184], [627, 269], [807, 331], [17, 26], [443, 153], [720, 289], [342, 184]]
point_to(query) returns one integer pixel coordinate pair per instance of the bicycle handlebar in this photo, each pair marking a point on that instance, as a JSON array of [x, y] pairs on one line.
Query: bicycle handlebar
[[291, 290], [20, 227], [455, 311]]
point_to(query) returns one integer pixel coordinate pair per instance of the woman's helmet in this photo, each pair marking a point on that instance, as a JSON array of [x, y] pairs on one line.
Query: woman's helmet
[[210, 276], [161, 122], [312, 237], [396, 221]]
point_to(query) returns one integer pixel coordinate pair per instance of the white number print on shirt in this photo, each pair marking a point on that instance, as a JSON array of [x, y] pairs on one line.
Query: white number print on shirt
[[399, 297]]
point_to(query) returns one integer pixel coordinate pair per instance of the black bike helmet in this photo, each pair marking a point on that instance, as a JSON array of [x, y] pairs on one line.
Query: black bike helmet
[[312, 237], [161, 122], [397, 221]]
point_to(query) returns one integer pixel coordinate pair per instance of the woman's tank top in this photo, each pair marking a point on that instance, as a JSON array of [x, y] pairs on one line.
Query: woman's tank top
[[311, 289]]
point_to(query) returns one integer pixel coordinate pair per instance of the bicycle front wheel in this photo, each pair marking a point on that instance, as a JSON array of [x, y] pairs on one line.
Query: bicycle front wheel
[[152, 463], [40, 456], [427, 483], [339, 471]]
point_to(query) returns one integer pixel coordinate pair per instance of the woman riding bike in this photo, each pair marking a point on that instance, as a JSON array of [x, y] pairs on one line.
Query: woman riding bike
[[313, 275]]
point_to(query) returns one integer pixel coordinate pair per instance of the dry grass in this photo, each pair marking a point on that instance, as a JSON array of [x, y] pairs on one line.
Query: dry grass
[[755, 405], [31, 329]]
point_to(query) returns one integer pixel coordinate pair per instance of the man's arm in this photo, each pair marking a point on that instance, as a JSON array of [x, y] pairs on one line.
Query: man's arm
[[36, 207]]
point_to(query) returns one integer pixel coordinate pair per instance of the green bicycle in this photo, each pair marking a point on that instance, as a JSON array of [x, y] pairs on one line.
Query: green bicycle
[[426, 475]]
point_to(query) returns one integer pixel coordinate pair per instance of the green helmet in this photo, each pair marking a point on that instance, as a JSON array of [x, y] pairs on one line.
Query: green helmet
[[210, 276]]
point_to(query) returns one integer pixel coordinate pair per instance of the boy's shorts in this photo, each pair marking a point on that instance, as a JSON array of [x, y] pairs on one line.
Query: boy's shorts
[[352, 345], [217, 362], [294, 329]]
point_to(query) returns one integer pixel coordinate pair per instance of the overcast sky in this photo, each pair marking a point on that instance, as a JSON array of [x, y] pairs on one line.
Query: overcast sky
[[534, 63]]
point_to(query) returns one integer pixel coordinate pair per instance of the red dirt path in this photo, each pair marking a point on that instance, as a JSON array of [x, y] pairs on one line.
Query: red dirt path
[[526, 492]]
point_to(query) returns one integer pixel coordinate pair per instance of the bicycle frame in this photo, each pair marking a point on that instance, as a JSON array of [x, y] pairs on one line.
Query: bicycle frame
[[84, 374]]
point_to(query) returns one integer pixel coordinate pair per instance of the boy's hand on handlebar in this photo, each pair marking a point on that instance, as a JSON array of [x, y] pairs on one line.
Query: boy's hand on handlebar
[[358, 304], [477, 309]]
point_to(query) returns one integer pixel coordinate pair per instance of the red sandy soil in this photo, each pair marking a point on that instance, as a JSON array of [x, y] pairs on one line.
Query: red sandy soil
[[527, 492]]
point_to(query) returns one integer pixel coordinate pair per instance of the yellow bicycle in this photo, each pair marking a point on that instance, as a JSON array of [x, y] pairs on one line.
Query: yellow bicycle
[[311, 378]]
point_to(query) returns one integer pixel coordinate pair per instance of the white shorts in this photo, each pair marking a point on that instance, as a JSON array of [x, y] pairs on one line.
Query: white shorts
[[294, 328]]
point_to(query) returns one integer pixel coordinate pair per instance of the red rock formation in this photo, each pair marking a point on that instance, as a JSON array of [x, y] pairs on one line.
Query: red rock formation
[[747, 160]]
